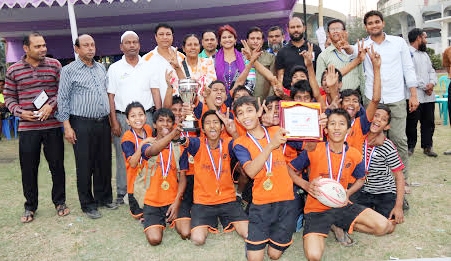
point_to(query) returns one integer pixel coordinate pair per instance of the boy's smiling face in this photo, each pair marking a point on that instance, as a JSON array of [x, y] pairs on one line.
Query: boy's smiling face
[[218, 94], [380, 121], [177, 110], [212, 126], [274, 105], [136, 118], [337, 128], [302, 96], [247, 115], [351, 104], [164, 125]]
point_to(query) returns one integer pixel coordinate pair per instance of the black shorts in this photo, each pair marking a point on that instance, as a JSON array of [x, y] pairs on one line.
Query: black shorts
[[272, 224], [381, 203], [154, 216], [207, 215], [320, 222], [187, 200]]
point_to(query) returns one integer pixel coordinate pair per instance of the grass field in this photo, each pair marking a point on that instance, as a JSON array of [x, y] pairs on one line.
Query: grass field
[[116, 236]]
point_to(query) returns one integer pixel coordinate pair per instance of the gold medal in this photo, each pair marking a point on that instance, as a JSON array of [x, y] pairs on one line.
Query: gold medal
[[165, 185], [218, 191], [268, 174], [267, 185], [191, 159]]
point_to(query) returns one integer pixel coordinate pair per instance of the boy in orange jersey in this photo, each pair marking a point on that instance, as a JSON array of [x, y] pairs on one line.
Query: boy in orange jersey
[[139, 133], [164, 194], [214, 192], [272, 214], [334, 159]]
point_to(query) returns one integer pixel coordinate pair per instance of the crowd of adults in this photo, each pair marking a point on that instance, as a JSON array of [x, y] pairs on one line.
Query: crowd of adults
[[90, 102]]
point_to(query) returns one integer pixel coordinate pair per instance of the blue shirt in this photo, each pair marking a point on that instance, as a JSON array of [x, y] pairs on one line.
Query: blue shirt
[[83, 91]]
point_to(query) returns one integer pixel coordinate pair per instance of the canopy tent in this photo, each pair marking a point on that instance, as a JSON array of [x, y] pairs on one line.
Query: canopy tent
[[105, 20]]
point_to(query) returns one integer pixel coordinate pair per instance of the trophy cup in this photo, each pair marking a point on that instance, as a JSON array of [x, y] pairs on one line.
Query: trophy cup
[[188, 91]]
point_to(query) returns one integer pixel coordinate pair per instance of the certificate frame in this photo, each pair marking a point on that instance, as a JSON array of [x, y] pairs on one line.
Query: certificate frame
[[40, 100], [297, 115]]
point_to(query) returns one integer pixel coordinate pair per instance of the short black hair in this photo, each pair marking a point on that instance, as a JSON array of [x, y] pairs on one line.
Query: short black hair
[[188, 36], [414, 33], [298, 68], [250, 100], [26, 38], [2, 80], [255, 29], [384, 107], [163, 25], [209, 31], [372, 13], [132, 105], [271, 99], [340, 75], [343, 113], [350, 92], [301, 86], [275, 28], [163, 112], [209, 112], [177, 100], [333, 21], [241, 88], [215, 82]]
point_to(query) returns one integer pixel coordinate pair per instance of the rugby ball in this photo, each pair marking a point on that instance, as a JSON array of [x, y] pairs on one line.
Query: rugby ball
[[332, 193]]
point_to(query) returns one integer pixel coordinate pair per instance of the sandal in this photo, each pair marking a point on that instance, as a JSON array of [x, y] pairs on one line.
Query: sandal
[[62, 210], [27, 216]]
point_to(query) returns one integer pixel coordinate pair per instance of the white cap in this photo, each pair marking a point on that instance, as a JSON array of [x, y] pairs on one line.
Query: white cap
[[128, 33]]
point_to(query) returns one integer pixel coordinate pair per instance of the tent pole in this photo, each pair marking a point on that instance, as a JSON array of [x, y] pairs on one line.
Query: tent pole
[[73, 23]]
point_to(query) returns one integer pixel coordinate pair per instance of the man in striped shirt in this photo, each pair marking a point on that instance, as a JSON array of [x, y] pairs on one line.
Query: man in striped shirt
[[83, 107], [32, 77]]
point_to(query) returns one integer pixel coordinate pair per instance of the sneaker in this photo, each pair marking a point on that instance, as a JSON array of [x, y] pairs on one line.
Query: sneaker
[[120, 200], [448, 152], [410, 151], [110, 206], [93, 214], [429, 152]]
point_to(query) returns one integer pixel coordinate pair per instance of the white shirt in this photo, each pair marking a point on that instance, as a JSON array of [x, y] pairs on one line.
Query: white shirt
[[425, 74], [157, 67], [396, 67], [129, 84]]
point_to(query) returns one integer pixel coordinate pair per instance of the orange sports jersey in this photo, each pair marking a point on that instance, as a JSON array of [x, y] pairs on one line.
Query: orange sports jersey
[[353, 168], [203, 108], [207, 189], [155, 195], [190, 158], [245, 150], [128, 144], [289, 152]]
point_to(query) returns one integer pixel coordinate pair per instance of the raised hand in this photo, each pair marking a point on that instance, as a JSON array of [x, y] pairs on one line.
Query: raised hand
[[331, 76], [361, 50], [279, 138], [173, 58], [375, 57], [246, 50], [168, 77], [228, 123], [308, 55]]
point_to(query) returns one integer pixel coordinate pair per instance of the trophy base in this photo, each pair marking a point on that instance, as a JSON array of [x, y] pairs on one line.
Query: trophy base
[[190, 126]]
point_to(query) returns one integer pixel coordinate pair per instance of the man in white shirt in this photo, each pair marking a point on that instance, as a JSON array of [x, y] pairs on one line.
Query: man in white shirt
[[128, 81], [427, 79], [397, 67]]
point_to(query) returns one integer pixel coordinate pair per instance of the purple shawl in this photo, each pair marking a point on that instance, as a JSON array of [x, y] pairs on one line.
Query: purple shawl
[[220, 63]]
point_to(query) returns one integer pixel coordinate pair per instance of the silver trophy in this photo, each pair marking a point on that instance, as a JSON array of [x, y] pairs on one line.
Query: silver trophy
[[188, 91]]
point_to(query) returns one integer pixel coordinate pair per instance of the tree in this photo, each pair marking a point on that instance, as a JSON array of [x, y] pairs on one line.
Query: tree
[[356, 29], [436, 59]]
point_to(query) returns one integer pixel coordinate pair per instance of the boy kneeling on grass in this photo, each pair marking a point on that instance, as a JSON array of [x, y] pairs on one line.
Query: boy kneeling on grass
[[163, 197], [334, 159]]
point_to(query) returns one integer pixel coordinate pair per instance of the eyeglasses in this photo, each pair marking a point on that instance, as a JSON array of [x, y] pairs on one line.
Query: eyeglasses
[[335, 30]]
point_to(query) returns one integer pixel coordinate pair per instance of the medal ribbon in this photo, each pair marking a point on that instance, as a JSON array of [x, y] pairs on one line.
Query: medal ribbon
[[329, 162], [216, 170], [268, 162], [165, 171], [368, 158], [137, 143], [352, 124]]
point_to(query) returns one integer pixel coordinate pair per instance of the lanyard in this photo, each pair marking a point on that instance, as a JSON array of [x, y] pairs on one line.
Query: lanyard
[[352, 124], [268, 162], [368, 158], [137, 143], [336, 53], [165, 171], [216, 170], [329, 162]]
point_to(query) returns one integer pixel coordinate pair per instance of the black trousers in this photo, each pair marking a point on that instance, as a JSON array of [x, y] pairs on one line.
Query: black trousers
[[92, 151], [30, 156], [425, 115]]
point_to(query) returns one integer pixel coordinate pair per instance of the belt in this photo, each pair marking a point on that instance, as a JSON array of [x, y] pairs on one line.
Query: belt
[[98, 119], [151, 110]]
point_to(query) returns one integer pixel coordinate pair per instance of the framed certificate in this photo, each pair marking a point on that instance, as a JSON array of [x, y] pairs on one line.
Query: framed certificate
[[40, 100], [301, 119]]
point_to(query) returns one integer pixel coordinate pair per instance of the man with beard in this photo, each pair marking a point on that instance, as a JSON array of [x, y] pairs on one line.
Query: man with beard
[[290, 55], [426, 79], [209, 44], [275, 39], [351, 69], [396, 67], [35, 78], [128, 81]]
